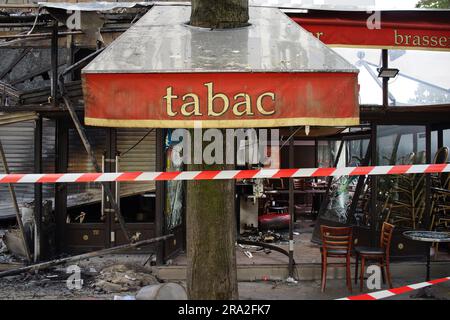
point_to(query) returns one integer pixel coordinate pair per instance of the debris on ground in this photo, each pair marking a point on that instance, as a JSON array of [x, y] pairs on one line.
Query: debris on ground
[[266, 236], [7, 259], [162, 291], [14, 242], [291, 280], [122, 278], [46, 285], [84, 256]]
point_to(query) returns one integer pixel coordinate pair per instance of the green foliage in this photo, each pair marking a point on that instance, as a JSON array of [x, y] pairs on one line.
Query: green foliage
[[436, 4]]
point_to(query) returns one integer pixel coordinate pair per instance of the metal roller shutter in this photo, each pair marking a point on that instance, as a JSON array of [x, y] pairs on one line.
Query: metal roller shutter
[[141, 158]]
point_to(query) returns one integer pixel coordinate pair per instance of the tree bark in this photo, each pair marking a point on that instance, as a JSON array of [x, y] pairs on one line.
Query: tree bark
[[211, 237], [211, 272], [219, 14], [210, 221]]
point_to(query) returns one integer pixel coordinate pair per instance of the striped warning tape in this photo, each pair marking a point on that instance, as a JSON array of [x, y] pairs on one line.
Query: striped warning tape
[[392, 292], [221, 175]]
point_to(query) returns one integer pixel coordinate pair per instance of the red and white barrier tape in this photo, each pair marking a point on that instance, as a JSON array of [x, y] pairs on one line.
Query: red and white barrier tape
[[221, 175], [392, 292]]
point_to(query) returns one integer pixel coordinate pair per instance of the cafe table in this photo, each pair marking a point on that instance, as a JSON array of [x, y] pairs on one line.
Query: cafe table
[[429, 237]]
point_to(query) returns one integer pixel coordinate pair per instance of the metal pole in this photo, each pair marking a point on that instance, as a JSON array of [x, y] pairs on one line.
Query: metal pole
[[37, 190], [427, 219], [117, 186], [160, 194], [384, 55], [373, 184], [291, 206], [14, 201], [102, 204], [427, 178]]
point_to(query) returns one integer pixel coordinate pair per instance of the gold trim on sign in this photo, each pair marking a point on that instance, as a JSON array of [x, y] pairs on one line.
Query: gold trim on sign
[[261, 123]]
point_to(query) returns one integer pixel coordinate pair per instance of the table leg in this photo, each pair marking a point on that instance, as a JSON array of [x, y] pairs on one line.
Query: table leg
[[425, 293]]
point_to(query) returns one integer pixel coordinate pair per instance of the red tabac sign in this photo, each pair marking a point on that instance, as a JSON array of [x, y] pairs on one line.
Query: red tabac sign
[[221, 100]]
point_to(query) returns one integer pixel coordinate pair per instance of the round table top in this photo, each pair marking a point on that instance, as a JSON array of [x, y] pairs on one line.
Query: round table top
[[428, 236]]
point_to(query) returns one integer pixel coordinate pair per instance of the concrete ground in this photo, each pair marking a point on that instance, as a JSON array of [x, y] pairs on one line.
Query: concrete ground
[[37, 289], [305, 252], [310, 290], [51, 284], [261, 277]]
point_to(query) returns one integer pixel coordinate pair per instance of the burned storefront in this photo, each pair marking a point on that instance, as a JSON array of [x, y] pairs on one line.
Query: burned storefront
[[72, 95], [44, 139]]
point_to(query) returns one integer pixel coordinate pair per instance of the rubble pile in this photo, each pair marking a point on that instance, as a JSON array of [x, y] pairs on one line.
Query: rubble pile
[[266, 236], [122, 278]]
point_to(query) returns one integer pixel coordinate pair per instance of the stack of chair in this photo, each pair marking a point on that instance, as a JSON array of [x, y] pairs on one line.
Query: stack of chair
[[405, 200], [440, 206]]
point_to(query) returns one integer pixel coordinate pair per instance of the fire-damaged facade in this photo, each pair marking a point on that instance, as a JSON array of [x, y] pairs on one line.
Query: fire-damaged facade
[[59, 63]]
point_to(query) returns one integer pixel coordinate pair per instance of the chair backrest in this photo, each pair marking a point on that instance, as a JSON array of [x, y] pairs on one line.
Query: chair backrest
[[336, 238], [299, 184], [441, 155], [386, 236], [445, 180]]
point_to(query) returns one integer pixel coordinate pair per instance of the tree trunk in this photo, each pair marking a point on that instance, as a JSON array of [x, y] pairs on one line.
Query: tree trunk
[[211, 237], [219, 14], [210, 221]]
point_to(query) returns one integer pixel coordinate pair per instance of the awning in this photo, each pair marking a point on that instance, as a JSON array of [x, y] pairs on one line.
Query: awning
[[413, 29], [163, 73]]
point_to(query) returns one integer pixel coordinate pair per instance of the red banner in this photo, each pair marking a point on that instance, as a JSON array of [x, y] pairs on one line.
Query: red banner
[[221, 100], [390, 35]]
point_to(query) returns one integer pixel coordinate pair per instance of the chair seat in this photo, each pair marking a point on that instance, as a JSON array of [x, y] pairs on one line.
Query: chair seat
[[336, 252], [369, 250]]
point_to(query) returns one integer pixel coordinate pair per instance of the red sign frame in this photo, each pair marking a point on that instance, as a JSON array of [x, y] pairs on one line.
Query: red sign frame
[[187, 100]]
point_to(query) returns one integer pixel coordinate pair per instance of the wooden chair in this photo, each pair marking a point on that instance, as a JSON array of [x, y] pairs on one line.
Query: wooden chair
[[381, 254], [299, 184], [336, 243]]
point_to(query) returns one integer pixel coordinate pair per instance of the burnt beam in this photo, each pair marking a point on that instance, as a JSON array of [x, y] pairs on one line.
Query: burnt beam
[[54, 63], [31, 75]]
